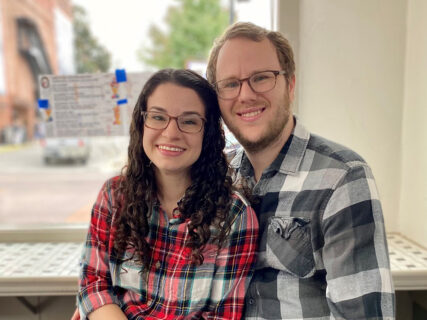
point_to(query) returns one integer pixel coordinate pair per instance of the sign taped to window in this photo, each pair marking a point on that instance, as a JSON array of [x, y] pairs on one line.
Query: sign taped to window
[[86, 105]]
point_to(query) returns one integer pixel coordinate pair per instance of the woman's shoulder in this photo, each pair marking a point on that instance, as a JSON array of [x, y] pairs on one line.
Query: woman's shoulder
[[242, 212], [240, 198], [240, 205], [109, 199], [112, 184], [111, 191]]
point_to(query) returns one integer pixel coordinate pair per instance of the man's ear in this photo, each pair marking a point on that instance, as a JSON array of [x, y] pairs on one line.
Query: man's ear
[[291, 88]]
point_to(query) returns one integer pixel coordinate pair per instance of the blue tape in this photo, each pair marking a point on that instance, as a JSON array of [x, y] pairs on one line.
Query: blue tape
[[121, 75], [43, 103], [122, 101]]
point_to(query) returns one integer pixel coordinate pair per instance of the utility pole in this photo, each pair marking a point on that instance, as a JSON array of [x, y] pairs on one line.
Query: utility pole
[[232, 9], [231, 12]]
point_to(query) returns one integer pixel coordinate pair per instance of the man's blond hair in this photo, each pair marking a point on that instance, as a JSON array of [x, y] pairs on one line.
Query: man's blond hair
[[255, 33]]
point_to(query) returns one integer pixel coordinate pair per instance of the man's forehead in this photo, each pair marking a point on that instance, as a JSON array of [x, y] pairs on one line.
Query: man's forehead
[[241, 57]]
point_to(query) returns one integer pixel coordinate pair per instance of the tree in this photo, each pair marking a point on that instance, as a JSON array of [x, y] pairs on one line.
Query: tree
[[192, 27], [90, 55]]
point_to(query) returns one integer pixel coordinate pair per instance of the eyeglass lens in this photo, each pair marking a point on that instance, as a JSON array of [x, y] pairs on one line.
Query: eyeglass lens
[[259, 82], [191, 123]]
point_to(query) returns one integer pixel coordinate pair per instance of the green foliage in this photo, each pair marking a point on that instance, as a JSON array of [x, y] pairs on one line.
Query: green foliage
[[90, 55], [192, 27]]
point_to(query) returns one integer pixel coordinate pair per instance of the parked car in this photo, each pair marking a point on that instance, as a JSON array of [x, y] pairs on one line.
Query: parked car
[[66, 150]]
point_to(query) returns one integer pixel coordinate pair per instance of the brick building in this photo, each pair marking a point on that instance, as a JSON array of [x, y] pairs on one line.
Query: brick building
[[35, 38]]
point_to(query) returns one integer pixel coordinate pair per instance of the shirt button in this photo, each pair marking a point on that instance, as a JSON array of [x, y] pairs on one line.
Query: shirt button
[[149, 301], [158, 264], [251, 301]]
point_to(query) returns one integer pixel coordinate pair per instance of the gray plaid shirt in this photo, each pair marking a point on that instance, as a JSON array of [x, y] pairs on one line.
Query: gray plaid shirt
[[323, 251]]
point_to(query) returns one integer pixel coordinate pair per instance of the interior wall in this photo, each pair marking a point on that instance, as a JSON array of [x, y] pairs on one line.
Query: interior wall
[[351, 80], [413, 206], [287, 23]]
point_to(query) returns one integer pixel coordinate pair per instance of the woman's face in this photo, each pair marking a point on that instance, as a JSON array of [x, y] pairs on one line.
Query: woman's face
[[172, 151]]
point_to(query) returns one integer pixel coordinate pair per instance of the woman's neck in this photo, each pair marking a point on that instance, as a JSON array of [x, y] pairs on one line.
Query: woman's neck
[[171, 189]]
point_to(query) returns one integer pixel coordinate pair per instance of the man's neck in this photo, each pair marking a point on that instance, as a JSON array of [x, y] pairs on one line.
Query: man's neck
[[260, 160]]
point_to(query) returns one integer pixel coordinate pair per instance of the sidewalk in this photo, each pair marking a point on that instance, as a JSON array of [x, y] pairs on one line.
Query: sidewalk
[[14, 147]]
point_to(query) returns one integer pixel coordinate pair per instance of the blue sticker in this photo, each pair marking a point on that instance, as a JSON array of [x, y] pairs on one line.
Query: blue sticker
[[122, 101], [121, 75], [43, 104]]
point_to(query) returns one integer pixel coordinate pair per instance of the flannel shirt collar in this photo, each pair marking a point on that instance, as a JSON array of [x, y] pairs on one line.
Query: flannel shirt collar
[[287, 161], [177, 216]]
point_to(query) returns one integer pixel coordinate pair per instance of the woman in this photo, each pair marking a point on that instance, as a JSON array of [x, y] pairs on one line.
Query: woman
[[168, 238]]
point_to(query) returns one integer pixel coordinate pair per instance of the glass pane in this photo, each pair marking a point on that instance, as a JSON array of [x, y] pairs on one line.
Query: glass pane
[[55, 179]]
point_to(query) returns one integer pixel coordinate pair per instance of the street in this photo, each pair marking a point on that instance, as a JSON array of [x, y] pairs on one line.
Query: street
[[32, 192]]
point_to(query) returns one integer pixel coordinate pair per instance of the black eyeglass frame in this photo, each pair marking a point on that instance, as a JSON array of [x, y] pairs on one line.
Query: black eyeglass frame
[[275, 72], [145, 114]]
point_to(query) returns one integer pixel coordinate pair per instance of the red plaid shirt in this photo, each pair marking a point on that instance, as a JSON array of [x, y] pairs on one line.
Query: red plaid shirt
[[173, 288]]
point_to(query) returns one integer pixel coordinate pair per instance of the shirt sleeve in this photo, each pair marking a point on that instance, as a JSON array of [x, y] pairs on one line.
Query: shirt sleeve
[[355, 253], [95, 284], [235, 266]]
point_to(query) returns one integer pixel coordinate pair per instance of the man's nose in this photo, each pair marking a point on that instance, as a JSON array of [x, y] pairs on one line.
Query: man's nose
[[246, 92]]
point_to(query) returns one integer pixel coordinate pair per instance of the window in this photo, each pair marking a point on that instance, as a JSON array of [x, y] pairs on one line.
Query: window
[[47, 180]]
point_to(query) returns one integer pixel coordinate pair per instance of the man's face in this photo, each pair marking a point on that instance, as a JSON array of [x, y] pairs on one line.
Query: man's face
[[256, 119]]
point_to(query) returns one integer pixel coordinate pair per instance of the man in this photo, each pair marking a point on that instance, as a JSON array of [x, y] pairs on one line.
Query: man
[[323, 251]]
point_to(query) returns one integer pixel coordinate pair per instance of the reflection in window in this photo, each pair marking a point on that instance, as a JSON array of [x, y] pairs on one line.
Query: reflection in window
[[31, 47]]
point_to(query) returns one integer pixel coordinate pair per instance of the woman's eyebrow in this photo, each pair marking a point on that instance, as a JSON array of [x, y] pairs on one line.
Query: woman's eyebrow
[[190, 113], [155, 108], [160, 109]]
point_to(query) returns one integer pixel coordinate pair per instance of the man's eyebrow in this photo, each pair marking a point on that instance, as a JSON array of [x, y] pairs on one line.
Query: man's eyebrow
[[250, 75]]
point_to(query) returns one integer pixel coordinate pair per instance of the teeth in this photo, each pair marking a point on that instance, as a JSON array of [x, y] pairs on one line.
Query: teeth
[[251, 114], [171, 148]]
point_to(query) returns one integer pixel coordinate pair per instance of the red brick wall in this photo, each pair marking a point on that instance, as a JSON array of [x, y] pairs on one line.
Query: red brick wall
[[20, 98]]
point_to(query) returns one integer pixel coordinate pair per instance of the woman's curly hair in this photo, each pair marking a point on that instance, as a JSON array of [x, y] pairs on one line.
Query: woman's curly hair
[[206, 201]]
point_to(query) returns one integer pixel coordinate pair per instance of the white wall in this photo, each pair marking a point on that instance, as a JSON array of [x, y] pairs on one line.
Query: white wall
[[351, 82], [289, 25], [413, 206]]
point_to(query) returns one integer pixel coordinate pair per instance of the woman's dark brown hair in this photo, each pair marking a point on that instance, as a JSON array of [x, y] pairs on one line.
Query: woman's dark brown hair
[[206, 201]]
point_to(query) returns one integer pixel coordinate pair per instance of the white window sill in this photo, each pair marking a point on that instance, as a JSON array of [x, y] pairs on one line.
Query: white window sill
[[44, 260]]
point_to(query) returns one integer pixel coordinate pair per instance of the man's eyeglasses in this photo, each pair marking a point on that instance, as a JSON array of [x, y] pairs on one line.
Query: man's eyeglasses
[[188, 123], [259, 82]]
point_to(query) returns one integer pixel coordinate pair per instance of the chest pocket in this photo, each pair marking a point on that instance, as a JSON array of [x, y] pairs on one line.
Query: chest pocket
[[128, 276], [289, 246]]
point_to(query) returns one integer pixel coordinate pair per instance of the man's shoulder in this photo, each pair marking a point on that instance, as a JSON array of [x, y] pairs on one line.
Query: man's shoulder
[[332, 154]]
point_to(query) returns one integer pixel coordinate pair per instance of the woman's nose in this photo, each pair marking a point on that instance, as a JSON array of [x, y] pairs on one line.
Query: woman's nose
[[172, 130]]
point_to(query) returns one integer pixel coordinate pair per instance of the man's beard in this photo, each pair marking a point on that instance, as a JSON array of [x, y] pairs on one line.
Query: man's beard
[[273, 132]]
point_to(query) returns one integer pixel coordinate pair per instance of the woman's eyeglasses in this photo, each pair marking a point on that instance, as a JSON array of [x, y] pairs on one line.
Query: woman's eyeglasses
[[187, 123]]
